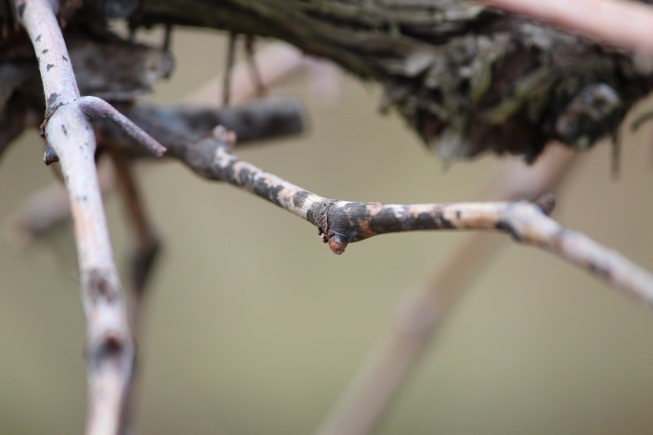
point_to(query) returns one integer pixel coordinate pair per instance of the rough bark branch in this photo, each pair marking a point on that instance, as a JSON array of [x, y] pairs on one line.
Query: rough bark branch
[[342, 222], [110, 348]]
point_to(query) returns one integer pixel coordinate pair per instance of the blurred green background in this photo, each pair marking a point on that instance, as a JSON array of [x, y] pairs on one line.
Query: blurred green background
[[254, 327]]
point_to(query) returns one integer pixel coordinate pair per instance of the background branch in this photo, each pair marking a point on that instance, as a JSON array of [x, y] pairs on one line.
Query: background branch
[[605, 24]]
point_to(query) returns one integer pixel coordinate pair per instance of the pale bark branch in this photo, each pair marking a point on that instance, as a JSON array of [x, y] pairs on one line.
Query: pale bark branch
[[343, 222], [624, 24], [110, 348], [468, 78]]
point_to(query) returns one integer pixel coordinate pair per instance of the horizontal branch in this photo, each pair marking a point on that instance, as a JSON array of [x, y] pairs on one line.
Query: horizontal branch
[[343, 222]]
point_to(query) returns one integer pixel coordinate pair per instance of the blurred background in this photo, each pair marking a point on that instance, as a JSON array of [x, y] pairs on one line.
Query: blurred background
[[253, 326]]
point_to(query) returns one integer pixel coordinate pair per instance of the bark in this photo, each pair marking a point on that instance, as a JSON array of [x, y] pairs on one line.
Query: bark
[[467, 78]]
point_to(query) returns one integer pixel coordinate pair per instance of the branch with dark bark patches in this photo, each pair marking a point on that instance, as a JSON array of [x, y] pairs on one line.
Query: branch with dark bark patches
[[342, 222]]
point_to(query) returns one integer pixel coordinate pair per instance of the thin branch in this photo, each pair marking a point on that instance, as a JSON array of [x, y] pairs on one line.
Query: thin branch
[[277, 62], [624, 24], [422, 308], [98, 108], [143, 252], [231, 60], [110, 348], [343, 222], [146, 244]]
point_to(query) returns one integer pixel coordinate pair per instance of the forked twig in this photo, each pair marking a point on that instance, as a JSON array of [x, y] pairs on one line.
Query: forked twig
[[110, 349]]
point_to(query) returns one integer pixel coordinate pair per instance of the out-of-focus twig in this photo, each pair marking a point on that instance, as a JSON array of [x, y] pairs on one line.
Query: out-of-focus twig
[[624, 24], [421, 309], [276, 61]]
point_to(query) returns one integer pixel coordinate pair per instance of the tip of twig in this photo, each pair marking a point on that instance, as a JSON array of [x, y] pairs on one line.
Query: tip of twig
[[546, 203], [337, 243]]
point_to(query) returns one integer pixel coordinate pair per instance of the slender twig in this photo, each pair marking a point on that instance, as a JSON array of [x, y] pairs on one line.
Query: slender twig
[[624, 24], [343, 222], [110, 348], [231, 60], [144, 251], [422, 308], [250, 56], [98, 108], [277, 61], [146, 243]]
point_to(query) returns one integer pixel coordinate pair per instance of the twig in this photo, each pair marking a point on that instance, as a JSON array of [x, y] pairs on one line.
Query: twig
[[231, 60], [142, 256], [110, 348], [98, 108], [250, 55], [277, 61], [624, 24], [146, 243], [422, 308], [343, 222]]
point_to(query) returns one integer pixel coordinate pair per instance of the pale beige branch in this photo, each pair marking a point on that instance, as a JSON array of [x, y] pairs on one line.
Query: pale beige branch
[[110, 348], [624, 24]]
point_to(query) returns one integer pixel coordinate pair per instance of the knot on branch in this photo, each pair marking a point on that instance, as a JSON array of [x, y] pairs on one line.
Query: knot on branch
[[337, 241]]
